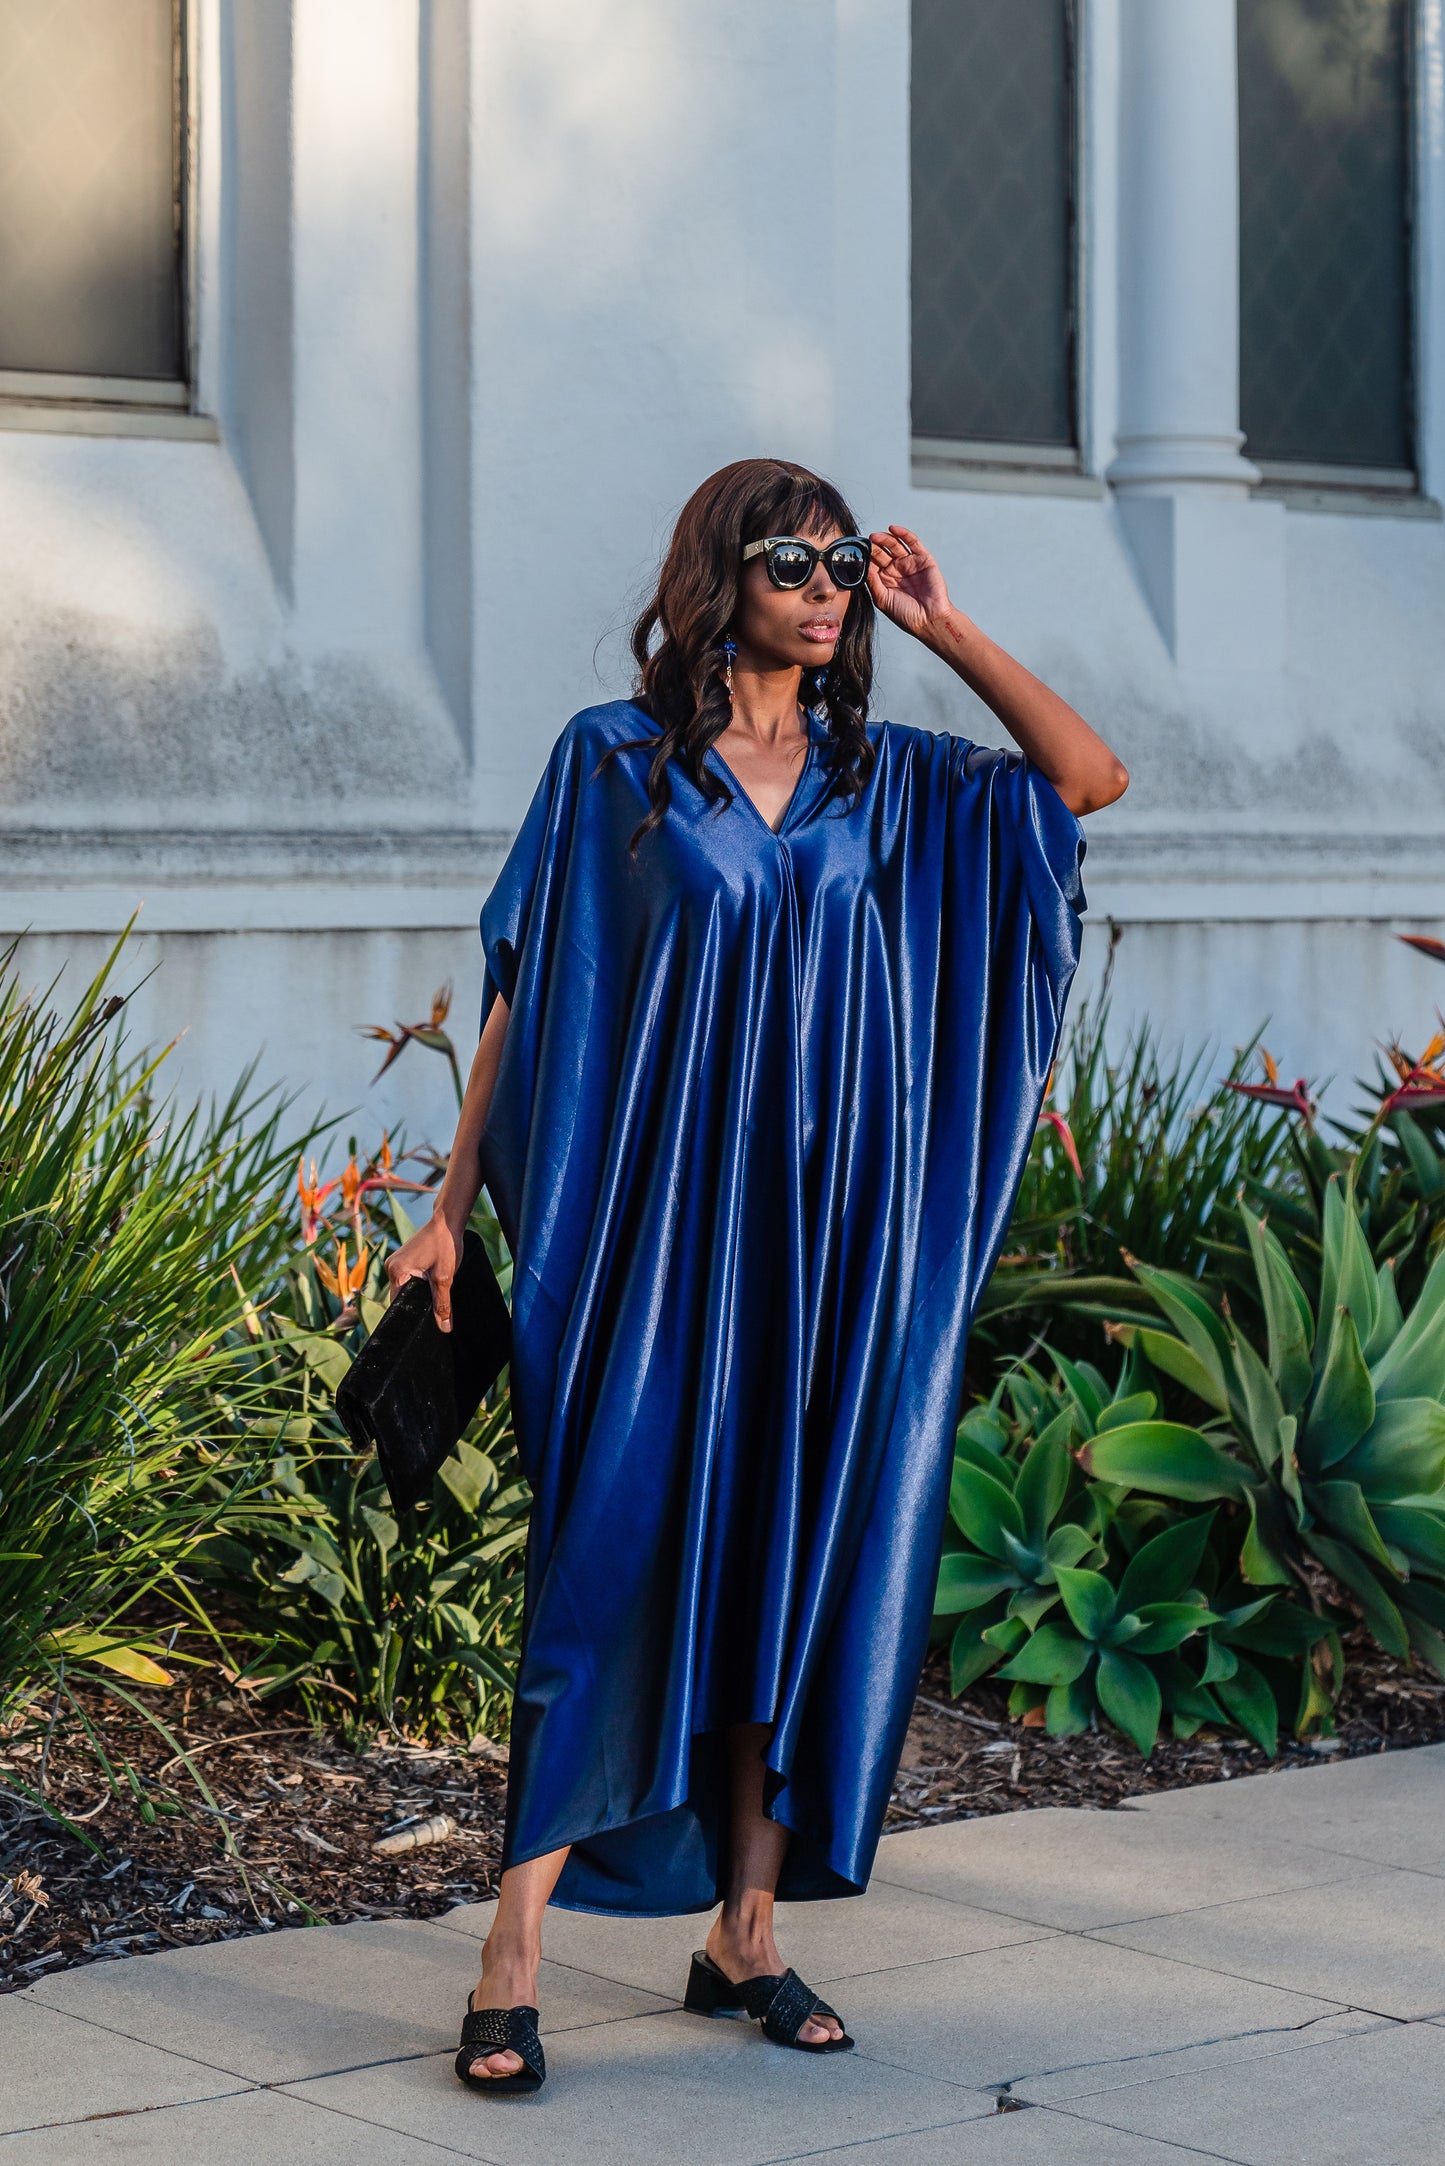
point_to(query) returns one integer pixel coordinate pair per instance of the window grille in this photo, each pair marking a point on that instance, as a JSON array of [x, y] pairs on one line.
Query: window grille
[[993, 255], [1324, 169], [90, 193]]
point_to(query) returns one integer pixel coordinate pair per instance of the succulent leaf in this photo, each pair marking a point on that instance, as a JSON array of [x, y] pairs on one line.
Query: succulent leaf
[[1192, 1317], [1130, 1696], [983, 1509], [1088, 1598], [1082, 1389], [1259, 1560], [1161, 1569], [1381, 1613], [1167, 1625], [1167, 1459], [1052, 1656], [1417, 1528], [1413, 1365], [1139, 1406], [1403, 1452], [1042, 1485], [1068, 1708], [1290, 1324], [966, 1581], [1344, 1405], [1341, 1507], [1347, 1270], [1252, 1704], [1173, 1358], [970, 1655]]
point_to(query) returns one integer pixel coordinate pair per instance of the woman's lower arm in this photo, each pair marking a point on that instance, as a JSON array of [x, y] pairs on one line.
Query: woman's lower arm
[[1059, 742], [462, 1182]]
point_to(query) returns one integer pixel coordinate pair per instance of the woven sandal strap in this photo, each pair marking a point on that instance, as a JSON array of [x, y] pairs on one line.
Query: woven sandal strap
[[783, 2005], [504, 2030]]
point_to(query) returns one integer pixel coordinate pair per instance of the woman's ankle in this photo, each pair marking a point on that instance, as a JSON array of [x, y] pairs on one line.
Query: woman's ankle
[[511, 1951]]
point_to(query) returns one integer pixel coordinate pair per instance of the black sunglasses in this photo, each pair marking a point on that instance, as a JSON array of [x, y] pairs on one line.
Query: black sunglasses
[[791, 561]]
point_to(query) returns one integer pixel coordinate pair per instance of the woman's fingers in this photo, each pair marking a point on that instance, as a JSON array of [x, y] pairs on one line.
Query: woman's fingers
[[441, 1300]]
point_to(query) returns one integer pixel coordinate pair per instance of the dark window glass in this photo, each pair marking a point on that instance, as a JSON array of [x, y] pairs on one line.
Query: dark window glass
[[89, 193], [992, 246], [1324, 170]]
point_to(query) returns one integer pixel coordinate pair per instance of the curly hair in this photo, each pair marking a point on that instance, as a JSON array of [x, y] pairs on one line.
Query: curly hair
[[677, 640]]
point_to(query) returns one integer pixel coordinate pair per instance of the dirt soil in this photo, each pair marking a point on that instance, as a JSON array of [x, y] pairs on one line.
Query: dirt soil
[[285, 1837]]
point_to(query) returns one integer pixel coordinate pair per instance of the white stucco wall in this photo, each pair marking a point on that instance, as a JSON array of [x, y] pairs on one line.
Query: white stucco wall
[[483, 290]]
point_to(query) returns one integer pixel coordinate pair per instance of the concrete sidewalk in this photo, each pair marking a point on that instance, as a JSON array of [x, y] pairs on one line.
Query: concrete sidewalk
[[1254, 1971]]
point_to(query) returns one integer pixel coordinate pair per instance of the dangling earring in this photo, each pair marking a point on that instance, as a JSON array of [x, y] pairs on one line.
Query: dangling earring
[[729, 649], [820, 685]]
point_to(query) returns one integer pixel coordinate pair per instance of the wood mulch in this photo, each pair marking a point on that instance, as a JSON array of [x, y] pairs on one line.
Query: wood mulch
[[286, 1835]]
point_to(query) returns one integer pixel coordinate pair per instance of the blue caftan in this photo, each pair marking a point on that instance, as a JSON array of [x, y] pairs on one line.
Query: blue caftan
[[763, 1106]]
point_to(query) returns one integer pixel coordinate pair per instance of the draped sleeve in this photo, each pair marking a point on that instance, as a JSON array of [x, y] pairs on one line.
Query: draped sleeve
[[518, 913]]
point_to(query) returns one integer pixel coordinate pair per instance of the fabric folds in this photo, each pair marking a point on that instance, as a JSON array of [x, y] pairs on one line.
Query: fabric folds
[[763, 1106]]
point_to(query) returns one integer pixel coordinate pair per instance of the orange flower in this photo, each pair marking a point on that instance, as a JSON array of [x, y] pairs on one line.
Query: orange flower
[[347, 1280], [312, 1198], [1272, 1092]]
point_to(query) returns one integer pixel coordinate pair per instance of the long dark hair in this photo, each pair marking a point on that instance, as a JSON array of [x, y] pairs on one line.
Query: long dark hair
[[677, 641]]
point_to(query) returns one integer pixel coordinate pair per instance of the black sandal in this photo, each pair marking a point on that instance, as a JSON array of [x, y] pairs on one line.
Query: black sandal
[[782, 2005], [502, 2030]]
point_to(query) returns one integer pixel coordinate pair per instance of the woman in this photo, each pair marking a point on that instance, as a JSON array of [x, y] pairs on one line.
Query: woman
[[771, 997]]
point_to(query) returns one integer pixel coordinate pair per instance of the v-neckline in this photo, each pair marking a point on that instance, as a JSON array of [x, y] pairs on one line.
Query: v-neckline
[[746, 796]]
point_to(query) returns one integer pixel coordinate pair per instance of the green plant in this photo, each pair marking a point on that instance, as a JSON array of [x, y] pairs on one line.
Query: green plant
[[1014, 1522], [1092, 1600], [405, 1618], [122, 1361], [1137, 1154], [1333, 1442]]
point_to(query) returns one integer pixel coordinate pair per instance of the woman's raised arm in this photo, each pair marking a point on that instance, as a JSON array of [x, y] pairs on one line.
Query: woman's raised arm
[[908, 586]]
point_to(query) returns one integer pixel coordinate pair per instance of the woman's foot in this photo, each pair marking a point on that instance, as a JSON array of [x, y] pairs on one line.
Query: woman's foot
[[509, 1980], [740, 1953]]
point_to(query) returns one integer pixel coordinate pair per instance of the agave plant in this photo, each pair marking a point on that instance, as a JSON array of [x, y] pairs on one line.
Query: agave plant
[[1092, 1599], [1014, 1534], [1100, 1654], [1332, 1442]]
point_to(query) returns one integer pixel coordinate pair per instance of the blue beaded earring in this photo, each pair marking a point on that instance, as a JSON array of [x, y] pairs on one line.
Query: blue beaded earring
[[820, 686], [728, 649]]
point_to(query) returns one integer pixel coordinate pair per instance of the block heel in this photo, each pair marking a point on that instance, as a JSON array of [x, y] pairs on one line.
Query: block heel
[[709, 1991], [782, 2005]]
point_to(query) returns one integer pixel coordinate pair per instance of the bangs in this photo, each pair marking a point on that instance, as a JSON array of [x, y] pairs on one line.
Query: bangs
[[801, 504]]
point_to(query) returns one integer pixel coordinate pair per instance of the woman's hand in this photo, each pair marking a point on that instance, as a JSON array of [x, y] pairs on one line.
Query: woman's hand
[[906, 583], [433, 1253]]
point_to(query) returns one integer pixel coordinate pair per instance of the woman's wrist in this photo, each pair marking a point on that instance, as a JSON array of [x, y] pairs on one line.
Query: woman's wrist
[[453, 1211], [952, 636]]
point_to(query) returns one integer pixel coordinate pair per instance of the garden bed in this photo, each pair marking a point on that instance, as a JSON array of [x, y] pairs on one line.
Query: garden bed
[[304, 1809]]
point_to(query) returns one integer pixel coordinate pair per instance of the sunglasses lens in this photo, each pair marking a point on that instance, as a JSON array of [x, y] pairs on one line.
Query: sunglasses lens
[[790, 564], [848, 564]]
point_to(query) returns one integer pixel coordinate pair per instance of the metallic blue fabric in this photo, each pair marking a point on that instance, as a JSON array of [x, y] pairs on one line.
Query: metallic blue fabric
[[763, 1106]]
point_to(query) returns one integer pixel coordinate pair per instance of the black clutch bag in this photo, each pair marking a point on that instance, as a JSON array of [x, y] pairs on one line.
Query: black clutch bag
[[413, 1388]]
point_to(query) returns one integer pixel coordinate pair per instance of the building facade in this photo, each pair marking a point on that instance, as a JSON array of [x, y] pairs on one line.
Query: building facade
[[356, 354]]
